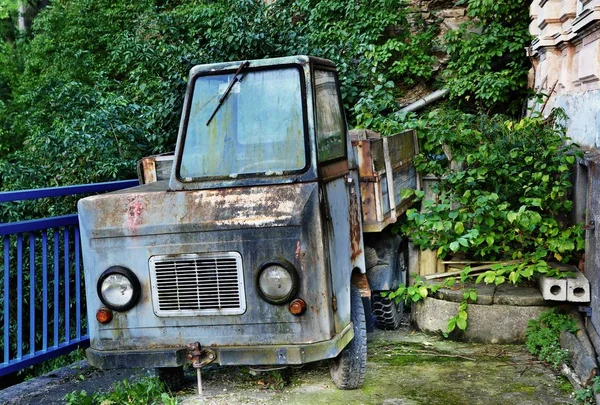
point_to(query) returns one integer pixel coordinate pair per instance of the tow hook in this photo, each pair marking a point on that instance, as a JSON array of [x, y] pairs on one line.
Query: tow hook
[[200, 357]]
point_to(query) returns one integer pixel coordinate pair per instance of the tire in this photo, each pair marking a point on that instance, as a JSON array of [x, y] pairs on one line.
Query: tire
[[371, 258], [388, 313], [172, 377], [349, 367]]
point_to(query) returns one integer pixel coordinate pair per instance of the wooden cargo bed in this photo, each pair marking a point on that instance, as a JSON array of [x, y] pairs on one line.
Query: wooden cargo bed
[[385, 168]]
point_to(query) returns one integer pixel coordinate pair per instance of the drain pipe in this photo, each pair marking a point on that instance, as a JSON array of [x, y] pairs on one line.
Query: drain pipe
[[425, 101]]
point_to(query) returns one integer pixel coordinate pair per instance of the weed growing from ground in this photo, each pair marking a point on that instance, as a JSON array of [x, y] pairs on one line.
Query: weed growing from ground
[[147, 390], [543, 337]]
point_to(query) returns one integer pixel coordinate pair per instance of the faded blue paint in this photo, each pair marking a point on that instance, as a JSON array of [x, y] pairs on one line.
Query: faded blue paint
[[261, 216], [260, 223]]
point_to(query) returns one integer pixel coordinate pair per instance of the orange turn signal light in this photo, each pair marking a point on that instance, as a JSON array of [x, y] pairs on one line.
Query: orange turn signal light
[[104, 315], [297, 306]]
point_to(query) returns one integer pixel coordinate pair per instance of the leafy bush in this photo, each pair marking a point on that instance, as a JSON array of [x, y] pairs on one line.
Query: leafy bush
[[148, 390], [488, 67], [543, 336], [509, 200], [99, 84]]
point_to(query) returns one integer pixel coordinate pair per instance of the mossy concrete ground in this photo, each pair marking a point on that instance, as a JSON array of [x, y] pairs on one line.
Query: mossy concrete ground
[[404, 367]]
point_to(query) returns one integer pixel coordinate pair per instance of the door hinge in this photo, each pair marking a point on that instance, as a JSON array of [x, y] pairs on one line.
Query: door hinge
[[587, 311], [334, 303]]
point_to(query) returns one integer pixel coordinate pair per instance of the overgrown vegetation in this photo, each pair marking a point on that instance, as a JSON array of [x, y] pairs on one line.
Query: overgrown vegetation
[[503, 195], [507, 201], [585, 396], [487, 67], [94, 85], [147, 390], [543, 337]]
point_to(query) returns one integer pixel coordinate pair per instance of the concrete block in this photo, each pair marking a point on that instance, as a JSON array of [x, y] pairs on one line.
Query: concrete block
[[518, 295], [578, 289], [553, 289], [485, 293], [497, 324]]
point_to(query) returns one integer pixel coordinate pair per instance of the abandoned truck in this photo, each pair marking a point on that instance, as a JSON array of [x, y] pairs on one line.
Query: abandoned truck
[[252, 251]]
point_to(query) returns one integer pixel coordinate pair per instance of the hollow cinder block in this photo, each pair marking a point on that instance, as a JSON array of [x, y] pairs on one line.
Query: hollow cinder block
[[553, 289], [578, 288]]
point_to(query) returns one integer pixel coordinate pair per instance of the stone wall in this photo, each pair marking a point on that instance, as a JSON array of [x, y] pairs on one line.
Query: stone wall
[[566, 55]]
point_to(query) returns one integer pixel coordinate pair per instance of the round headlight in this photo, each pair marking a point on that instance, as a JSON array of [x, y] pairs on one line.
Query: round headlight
[[277, 281], [118, 288]]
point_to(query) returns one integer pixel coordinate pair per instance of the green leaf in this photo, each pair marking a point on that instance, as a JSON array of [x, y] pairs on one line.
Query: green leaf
[[473, 295], [407, 193], [451, 324], [461, 323], [459, 228], [489, 277], [511, 216], [454, 246]]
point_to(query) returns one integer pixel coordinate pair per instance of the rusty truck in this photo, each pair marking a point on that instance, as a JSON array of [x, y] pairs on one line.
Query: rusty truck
[[260, 240]]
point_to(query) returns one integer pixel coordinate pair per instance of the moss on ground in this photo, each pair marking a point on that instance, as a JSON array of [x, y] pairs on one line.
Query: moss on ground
[[410, 369]]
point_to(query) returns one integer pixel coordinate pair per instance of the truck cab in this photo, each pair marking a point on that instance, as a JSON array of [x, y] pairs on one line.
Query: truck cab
[[252, 252]]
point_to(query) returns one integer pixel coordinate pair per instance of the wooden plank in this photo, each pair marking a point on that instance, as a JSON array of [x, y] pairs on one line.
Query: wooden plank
[[477, 269], [386, 164], [468, 262], [390, 179], [582, 334], [401, 147], [583, 364], [427, 263], [362, 134], [367, 192]]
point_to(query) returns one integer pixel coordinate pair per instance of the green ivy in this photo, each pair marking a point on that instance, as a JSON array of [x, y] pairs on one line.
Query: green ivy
[[508, 202], [488, 66], [419, 290], [460, 319]]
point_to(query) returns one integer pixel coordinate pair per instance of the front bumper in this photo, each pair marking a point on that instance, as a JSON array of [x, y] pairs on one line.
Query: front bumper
[[226, 355]]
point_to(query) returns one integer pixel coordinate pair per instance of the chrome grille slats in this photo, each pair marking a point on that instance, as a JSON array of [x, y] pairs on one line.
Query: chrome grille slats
[[197, 284]]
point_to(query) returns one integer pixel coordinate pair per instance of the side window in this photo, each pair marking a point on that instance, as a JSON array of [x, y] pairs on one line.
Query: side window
[[331, 131]]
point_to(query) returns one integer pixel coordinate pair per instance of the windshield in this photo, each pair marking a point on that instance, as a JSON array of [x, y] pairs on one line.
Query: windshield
[[259, 127]]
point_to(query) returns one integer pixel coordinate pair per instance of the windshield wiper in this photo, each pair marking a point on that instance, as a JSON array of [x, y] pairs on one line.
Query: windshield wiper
[[235, 79]]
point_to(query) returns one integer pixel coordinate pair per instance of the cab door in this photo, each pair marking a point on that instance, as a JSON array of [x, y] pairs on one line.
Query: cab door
[[340, 191]]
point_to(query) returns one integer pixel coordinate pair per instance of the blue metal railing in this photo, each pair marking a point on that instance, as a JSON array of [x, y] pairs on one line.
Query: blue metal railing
[[37, 324]]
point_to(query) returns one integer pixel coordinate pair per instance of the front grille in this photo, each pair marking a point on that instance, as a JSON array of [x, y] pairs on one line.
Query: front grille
[[197, 284]]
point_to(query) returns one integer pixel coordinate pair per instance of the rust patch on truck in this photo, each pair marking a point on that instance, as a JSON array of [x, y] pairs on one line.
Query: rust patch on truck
[[160, 212], [355, 228], [134, 214]]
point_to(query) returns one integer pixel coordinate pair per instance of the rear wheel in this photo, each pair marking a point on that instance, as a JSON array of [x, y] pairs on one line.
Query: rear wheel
[[349, 367], [388, 313]]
